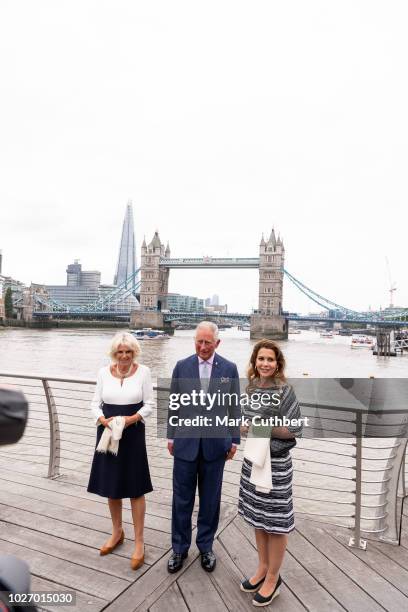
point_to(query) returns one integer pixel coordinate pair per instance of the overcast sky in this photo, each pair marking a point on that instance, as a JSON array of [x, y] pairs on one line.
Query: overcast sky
[[219, 120]]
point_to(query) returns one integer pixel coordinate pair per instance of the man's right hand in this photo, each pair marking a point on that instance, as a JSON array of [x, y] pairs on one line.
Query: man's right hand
[[170, 446], [244, 429]]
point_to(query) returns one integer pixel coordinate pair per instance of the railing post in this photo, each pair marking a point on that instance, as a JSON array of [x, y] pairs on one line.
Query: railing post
[[402, 490], [356, 541], [391, 522], [55, 437]]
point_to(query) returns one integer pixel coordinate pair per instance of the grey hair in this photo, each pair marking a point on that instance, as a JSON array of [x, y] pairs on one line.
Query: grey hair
[[208, 325], [128, 340]]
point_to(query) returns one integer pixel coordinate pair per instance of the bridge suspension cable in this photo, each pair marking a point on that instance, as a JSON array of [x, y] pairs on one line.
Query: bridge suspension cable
[[316, 297]]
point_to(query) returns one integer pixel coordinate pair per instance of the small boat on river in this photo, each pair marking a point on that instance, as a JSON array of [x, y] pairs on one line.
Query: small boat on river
[[147, 333], [361, 341]]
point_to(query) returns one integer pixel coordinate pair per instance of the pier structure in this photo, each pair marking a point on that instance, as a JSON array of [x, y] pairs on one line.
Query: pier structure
[[48, 519], [268, 321]]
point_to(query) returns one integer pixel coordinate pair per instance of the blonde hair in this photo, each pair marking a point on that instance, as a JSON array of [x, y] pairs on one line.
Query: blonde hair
[[279, 374], [128, 340]]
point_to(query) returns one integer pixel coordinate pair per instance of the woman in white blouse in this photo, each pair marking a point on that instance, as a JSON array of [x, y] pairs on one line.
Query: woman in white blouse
[[124, 389]]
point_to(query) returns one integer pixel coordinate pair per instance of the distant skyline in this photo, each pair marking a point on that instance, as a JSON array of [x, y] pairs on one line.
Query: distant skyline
[[219, 121]]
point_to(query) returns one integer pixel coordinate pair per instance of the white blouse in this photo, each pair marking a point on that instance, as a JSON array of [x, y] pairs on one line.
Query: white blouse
[[137, 388]]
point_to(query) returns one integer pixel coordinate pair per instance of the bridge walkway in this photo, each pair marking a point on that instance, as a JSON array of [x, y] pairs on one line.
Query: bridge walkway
[[57, 527]]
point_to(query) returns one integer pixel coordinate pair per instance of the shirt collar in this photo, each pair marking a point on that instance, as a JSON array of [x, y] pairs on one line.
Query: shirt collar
[[209, 361]]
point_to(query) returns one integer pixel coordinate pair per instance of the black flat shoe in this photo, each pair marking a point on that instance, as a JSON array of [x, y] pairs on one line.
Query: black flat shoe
[[175, 563], [248, 587], [208, 561], [260, 600]]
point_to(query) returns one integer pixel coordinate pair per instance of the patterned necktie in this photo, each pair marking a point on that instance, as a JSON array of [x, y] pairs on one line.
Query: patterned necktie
[[205, 376]]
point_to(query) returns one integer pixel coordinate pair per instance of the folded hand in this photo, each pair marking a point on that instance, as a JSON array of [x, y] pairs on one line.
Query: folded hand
[[105, 422], [128, 421]]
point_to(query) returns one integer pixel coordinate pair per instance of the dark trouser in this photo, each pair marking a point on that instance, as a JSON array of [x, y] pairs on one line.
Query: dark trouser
[[186, 474]]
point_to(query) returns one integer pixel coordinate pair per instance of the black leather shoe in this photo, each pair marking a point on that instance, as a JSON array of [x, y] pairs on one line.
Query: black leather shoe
[[208, 561], [175, 563], [248, 587], [260, 601]]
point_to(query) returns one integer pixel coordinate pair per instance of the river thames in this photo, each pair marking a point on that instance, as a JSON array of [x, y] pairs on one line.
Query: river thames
[[80, 353]]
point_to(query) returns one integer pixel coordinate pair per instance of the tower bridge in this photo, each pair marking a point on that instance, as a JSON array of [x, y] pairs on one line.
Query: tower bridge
[[156, 263]]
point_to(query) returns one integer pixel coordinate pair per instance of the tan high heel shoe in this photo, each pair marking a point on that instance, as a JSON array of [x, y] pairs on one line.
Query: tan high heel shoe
[[136, 562], [105, 550]]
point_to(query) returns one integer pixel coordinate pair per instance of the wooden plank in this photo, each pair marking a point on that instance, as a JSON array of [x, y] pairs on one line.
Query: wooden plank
[[245, 557], [381, 592], [340, 586], [84, 601], [74, 533], [114, 565], [71, 456], [67, 573], [404, 532], [383, 564], [74, 466], [76, 479], [171, 599], [298, 578], [150, 587], [23, 467], [77, 517], [60, 499], [226, 579], [198, 591], [152, 508], [226, 516], [399, 554]]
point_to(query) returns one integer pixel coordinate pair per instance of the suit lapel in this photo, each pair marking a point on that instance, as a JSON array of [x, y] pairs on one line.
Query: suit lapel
[[194, 373], [215, 371]]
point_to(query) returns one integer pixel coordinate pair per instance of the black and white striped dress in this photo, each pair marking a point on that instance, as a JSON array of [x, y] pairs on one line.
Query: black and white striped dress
[[273, 511]]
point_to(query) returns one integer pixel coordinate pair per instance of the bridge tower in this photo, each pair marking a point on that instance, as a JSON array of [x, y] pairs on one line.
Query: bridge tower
[[271, 261], [154, 284], [154, 278], [268, 321]]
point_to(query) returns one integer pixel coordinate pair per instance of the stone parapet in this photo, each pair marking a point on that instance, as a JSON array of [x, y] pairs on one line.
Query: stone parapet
[[273, 327], [147, 318]]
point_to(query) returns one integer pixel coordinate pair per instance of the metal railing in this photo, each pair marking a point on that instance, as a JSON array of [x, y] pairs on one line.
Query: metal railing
[[355, 478], [368, 473], [37, 387]]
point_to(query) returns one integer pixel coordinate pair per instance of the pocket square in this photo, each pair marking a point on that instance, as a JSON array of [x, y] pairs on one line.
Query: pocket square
[[225, 379]]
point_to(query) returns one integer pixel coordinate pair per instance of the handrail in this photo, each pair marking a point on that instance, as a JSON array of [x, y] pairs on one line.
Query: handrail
[[381, 518]]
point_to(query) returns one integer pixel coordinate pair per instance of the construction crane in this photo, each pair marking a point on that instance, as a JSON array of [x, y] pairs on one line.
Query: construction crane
[[393, 286]]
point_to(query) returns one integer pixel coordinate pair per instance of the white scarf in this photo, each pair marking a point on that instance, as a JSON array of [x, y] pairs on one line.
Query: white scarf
[[257, 450], [109, 441]]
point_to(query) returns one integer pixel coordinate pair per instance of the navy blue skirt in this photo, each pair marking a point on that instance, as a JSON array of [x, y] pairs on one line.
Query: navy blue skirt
[[127, 473]]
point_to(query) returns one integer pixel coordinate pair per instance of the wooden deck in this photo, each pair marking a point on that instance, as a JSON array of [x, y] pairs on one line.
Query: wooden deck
[[57, 527]]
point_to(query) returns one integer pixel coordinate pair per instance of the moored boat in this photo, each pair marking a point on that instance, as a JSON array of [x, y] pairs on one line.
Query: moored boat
[[244, 327], [147, 333], [361, 341]]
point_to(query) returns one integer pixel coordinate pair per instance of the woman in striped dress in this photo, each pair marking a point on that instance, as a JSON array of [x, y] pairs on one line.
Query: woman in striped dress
[[270, 512]]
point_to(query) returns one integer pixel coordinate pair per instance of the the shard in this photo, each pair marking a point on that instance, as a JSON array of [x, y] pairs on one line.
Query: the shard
[[126, 267]]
